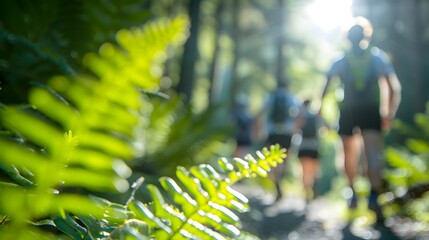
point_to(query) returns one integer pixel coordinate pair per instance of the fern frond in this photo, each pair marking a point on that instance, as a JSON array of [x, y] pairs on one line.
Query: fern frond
[[408, 175], [202, 204], [81, 129], [178, 136]]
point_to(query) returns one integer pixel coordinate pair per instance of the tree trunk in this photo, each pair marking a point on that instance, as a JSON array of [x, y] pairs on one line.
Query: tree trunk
[[416, 43], [236, 56], [190, 54], [280, 74], [213, 74]]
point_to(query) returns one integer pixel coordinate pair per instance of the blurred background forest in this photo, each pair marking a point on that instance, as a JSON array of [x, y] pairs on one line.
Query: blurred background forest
[[235, 48]]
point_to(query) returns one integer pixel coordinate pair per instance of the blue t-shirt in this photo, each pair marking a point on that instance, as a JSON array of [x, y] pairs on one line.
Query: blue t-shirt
[[287, 126], [359, 76], [310, 131]]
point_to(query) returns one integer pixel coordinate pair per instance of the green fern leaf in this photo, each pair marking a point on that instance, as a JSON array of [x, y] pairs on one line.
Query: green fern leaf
[[203, 208], [67, 141]]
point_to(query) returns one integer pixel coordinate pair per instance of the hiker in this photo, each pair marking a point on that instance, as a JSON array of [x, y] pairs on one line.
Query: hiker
[[243, 122], [308, 151], [280, 111], [372, 94]]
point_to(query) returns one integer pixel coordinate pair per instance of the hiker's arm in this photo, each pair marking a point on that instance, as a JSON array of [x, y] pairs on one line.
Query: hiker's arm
[[325, 90], [395, 94], [300, 120], [258, 128], [259, 122], [390, 93], [392, 89]]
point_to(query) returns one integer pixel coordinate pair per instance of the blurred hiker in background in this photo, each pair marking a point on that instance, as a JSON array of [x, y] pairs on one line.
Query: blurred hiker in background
[[243, 122], [280, 114], [308, 152], [372, 94]]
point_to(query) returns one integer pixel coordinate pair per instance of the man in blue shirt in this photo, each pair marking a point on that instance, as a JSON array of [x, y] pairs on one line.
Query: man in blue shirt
[[372, 94], [281, 111]]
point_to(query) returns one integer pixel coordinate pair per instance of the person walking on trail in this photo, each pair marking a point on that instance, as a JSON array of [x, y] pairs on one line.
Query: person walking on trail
[[372, 94], [308, 151], [281, 111], [243, 122]]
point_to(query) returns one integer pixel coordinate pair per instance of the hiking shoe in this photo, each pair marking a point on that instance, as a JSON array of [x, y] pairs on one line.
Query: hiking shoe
[[350, 196], [375, 207], [279, 193], [352, 202]]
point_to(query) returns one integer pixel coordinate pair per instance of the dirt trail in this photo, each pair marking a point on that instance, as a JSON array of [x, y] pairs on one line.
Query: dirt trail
[[322, 219]]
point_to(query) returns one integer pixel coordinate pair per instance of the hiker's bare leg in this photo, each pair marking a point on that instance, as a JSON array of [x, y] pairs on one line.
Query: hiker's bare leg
[[276, 178], [351, 150], [373, 143], [309, 171]]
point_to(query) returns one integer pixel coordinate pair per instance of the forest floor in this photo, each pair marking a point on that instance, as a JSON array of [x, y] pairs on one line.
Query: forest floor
[[324, 218]]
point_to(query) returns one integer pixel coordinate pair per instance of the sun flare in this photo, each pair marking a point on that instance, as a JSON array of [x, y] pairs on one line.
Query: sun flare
[[329, 14]]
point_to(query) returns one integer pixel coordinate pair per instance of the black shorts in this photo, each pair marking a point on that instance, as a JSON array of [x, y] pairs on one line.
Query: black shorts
[[308, 153], [362, 117], [284, 140]]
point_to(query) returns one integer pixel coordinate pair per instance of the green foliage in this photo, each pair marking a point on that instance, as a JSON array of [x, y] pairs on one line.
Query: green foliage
[[408, 176], [51, 37], [77, 135], [202, 200], [66, 141], [175, 134]]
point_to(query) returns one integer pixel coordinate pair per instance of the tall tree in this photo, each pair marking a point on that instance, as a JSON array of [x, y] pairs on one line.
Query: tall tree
[[404, 41], [51, 37], [213, 74], [280, 41], [417, 66], [236, 56], [190, 54]]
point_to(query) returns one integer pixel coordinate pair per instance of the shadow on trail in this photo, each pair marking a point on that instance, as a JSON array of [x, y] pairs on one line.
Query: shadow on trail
[[379, 231], [291, 219], [268, 223]]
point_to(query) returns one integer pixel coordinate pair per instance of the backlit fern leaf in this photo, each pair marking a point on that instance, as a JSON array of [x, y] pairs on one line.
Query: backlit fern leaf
[[99, 113], [410, 165], [202, 203], [408, 174], [79, 133]]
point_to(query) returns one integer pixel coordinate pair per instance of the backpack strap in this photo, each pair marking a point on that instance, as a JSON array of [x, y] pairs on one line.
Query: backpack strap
[[359, 68]]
